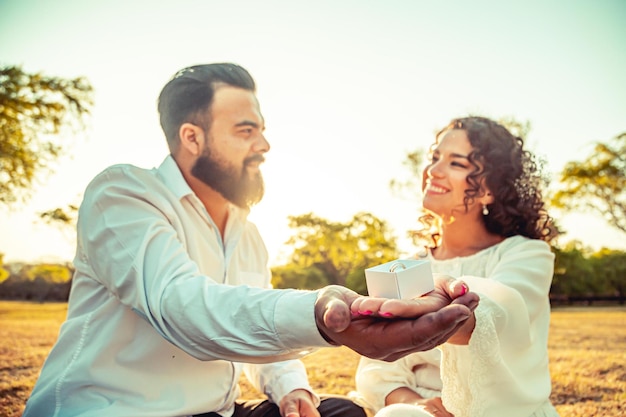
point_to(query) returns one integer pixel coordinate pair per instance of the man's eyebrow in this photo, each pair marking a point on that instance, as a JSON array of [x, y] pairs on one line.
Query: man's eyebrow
[[247, 123]]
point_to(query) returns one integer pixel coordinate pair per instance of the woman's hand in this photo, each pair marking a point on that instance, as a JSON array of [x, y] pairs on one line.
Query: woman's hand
[[435, 407], [405, 395], [421, 324], [448, 290]]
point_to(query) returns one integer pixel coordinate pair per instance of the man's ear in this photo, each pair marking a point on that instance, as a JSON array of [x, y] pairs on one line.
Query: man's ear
[[191, 138]]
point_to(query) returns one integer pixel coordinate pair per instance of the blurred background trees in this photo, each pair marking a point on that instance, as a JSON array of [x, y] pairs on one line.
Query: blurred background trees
[[35, 109], [328, 252], [37, 113], [597, 184]]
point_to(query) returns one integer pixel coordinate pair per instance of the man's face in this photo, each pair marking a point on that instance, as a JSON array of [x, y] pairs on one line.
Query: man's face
[[234, 147]]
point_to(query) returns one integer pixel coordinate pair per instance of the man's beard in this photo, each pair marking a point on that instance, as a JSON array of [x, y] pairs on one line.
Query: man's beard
[[238, 187]]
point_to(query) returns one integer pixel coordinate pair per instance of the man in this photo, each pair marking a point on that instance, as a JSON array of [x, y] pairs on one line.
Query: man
[[170, 296]]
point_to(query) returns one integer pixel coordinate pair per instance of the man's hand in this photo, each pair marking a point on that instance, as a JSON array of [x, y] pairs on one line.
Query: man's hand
[[298, 403], [391, 329]]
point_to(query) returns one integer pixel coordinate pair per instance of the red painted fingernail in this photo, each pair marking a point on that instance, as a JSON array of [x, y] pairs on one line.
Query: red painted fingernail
[[464, 289], [386, 314], [365, 313]]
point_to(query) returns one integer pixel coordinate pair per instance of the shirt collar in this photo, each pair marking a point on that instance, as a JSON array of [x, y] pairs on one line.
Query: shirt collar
[[173, 179]]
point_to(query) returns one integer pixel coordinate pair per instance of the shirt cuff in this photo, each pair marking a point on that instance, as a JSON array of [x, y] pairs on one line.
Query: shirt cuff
[[295, 320], [285, 387]]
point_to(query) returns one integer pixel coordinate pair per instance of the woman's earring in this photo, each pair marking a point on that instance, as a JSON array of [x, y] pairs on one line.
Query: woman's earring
[[485, 210]]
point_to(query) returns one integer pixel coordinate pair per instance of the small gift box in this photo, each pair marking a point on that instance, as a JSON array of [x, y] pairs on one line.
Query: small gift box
[[402, 278]]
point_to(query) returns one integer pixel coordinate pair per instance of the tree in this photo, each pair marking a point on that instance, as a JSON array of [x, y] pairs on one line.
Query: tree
[[292, 276], [573, 274], [59, 216], [338, 249], [4, 274], [34, 110], [610, 267], [63, 218], [51, 273], [597, 184]]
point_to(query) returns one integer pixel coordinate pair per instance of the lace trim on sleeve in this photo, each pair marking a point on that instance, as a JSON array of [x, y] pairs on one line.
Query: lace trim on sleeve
[[464, 396]]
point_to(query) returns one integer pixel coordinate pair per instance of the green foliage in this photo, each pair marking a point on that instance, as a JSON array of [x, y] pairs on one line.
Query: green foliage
[[597, 184], [41, 282], [64, 217], [338, 249], [34, 110], [516, 127], [4, 274], [610, 267], [49, 273], [573, 274], [356, 281], [581, 272], [291, 276]]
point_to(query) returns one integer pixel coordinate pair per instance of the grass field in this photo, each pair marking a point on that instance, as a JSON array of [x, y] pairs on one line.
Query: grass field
[[587, 354]]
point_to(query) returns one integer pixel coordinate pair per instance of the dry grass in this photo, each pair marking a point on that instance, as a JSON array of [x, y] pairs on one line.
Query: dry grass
[[587, 353], [27, 332], [588, 361]]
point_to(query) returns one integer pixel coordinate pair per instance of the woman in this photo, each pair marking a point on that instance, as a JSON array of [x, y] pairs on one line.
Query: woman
[[485, 223]]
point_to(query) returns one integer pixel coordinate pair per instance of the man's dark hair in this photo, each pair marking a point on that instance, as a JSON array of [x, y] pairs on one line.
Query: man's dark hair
[[188, 96]]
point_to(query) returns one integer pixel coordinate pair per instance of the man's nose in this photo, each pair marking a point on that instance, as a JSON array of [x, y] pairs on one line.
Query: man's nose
[[262, 145]]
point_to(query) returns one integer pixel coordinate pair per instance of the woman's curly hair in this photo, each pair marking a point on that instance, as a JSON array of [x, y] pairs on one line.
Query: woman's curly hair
[[510, 172]]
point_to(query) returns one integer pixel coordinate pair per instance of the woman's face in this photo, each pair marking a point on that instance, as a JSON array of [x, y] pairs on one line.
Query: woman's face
[[444, 179]]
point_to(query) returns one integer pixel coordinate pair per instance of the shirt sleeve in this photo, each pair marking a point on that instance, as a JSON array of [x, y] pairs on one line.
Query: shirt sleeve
[[375, 379], [506, 357], [517, 288], [131, 239], [277, 379], [280, 378]]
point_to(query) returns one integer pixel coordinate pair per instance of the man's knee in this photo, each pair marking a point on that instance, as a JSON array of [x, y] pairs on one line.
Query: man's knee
[[338, 406]]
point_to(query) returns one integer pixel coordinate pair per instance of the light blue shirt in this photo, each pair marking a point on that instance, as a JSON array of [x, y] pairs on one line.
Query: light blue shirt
[[162, 311]]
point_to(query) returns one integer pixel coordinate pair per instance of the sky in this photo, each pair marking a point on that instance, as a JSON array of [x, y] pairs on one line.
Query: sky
[[347, 89]]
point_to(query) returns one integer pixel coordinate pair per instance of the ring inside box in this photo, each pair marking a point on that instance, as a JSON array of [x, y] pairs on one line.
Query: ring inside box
[[402, 279]]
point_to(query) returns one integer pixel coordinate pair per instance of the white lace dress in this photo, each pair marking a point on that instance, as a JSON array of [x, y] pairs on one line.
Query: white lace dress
[[503, 371]]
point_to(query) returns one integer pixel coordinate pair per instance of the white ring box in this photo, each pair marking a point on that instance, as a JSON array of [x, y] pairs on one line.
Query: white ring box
[[402, 279]]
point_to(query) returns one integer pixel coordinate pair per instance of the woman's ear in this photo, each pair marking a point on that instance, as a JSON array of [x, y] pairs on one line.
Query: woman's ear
[[487, 198], [191, 138]]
